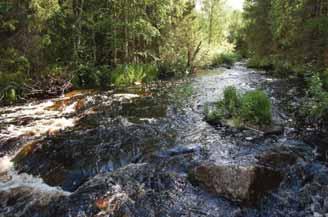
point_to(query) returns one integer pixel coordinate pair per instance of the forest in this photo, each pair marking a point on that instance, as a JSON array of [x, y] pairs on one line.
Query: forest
[[164, 108], [48, 47]]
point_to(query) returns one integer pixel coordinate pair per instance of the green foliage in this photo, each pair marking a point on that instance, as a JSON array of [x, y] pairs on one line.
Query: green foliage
[[324, 79], [181, 94], [256, 108], [97, 43], [105, 76], [13, 62], [225, 58], [99, 35], [11, 95], [315, 104], [231, 100], [85, 77], [125, 75], [14, 70], [259, 63], [281, 33], [92, 77], [213, 18], [214, 116], [167, 69]]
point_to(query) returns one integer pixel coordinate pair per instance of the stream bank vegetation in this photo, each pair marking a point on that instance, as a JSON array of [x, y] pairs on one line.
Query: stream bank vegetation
[[227, 59], [315, 103], [50, 47], [289, 38], [252, 108]]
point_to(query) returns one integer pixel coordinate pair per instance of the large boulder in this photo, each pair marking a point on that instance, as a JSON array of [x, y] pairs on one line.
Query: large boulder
[[235, 182]]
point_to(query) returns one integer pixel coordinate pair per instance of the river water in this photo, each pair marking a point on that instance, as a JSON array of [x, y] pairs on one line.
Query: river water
[[129, 153]]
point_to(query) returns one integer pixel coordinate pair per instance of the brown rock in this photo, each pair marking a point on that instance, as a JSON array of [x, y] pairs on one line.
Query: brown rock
[[237, 183], [277, 159], [273, 130]]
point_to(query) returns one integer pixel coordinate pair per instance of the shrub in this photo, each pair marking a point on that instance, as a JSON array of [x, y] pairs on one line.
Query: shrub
[[231, 100], [253, 107], [228, 107], [260, 63], [86, 77], [315, 103], [213, 115], [104, 74], [256, 108], [324, 78], [92, 77], [9, 94], [168, 69], [125, 75], [225, 58], [14, 71]]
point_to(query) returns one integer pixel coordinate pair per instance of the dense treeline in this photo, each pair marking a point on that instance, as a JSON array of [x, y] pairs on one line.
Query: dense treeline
[[46, 47], [289, 34], [41, 39], [290, 37]]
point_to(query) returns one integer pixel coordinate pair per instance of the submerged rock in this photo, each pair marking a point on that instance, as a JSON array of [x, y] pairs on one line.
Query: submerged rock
[[238, 183], [273, 130], [131, 191], [277, 159], [13, 201]]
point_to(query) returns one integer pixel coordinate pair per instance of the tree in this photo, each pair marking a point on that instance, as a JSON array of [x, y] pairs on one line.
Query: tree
[[293, 34]]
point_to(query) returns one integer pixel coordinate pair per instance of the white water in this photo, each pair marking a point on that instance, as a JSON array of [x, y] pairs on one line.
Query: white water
[[5, 164], [41, 121]]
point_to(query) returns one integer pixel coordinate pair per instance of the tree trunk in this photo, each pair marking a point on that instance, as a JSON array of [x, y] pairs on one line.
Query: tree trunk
[[210, 30]]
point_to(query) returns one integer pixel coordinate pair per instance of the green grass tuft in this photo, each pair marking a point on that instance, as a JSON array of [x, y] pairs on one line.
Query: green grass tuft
[[225, 58], [254, 107], [231, 100], [125, 75]]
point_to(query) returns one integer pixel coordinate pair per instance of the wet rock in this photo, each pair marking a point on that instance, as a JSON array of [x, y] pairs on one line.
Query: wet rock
[[237, 183], [179, 150], [277, 159], [70, 159], [132, 191], [273, 130], [13, 202], [109, 194], [320, 142]]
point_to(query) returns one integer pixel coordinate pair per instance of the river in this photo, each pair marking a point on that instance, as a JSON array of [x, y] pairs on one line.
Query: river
[[147, 151]]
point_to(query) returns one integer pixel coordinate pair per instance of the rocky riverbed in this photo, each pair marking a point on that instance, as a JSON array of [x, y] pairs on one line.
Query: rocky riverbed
[[147, 151]]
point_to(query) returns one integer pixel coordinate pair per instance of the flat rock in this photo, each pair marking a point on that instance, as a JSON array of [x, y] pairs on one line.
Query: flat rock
[[237, 183]]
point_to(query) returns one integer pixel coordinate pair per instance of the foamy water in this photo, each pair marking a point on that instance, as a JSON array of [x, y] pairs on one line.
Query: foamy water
[[40, 121], [24, 180], [5, 164], [32, 122]]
